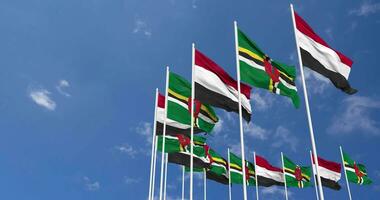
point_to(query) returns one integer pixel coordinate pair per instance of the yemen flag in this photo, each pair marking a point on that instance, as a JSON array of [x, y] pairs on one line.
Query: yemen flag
[[329, 172], [319, 56], [267, 174], [172, 127], [257, 69], [236, 172], [295, 175], [179, 106], [217, 171], [215, 87], [200, 154], [356, 173]]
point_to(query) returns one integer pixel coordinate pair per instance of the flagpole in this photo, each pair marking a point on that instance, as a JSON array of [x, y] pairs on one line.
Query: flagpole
[[153, 145], [345, 173], [307, 107], [229, 175], [257, 181], [183, 182], [240, 113], [204, 184], [315, 181], [154, 164], [192, 121], [166, 174], [164, 133], [283, 173]]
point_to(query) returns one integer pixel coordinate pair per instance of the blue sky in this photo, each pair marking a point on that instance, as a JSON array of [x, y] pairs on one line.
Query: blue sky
[[77, 88]]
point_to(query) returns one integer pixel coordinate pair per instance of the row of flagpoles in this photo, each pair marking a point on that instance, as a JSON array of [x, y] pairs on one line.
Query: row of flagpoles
[[192, 108]]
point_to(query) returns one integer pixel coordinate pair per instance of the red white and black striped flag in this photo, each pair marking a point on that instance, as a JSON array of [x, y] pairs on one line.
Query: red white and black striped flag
[[215, 87], [319, 56], [329, 172], [267, 174]]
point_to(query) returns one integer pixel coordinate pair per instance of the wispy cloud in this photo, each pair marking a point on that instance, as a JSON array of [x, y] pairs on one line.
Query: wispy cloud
[[316, 83], [130, 180], [194, 4], [62, 85], [271, 191], [329, 33], [218, 126], [283, 136], [356, 115], [256, 131], [142, 28], [91, 185], [366, 8], [127, 149], [42, 98], [145, 129], [262, 101]]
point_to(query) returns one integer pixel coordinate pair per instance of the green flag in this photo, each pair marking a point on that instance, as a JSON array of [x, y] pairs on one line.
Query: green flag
[[356, 173], [257, 69], [179, 94], [295, 175], [236, 172]]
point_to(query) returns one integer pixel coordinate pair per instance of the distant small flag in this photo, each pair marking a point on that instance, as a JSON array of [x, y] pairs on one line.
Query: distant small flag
[[329, 172], [236, 171], [267, 174], [319, 56], [356, 173], [295, 175], [215, 87]]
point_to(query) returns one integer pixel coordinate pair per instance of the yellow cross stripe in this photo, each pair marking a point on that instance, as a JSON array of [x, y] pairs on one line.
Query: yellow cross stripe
[[253, 55], [235, 166], [270, 85], [204, 108], [219, 160], [286, 75]]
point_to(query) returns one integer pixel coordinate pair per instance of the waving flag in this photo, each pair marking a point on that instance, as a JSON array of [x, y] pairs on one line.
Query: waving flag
[[329, 172], [295, 175], [319, 56], [215, 87], [236, 171], [267, 174], [259, 70], [356, 173]]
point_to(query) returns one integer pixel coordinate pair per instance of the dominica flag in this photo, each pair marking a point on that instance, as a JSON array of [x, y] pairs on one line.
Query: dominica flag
[[174, 143], [179, 105], [218, 168], [356, 173], [236, 171], [259, 70], [201, 155], [295, 175]]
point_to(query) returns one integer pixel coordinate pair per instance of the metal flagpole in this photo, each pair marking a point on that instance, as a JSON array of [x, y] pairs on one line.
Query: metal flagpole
[[307, 107], [153, 147], [315, 181], [240, 112], [283, 173], [345, 173], [204, 184], [192, 121], [166, 174], [154, 164], [164, 133], [229, 175], [183, 182], [257, 181]]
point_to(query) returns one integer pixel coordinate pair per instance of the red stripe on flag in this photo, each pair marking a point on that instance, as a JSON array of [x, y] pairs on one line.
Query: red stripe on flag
[[260, 161], [161, 101], [330, 165], [203, 61], [304, 28]]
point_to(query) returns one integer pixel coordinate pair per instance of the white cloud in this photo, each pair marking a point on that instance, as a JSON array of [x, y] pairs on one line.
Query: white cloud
[[356, 115], [41, 97], [366, 8], [271, 191], [142, 27], [284, 137], [315, 82], [262, 101], [329, 33], [127, 149], [62, 84], [218, 127], [145, 129], [255, 131], [91, 185], [130, 180]]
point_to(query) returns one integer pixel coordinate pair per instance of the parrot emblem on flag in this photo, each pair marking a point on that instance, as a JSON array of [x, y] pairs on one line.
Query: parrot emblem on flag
[[273, 72]]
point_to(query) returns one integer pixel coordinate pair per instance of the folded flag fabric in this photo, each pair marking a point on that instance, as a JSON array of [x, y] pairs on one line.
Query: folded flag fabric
[[236, 171], [319, 56], [267, 174], [329, 172], [216, 87], [259, 70], [295, 175], [356, 173]]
